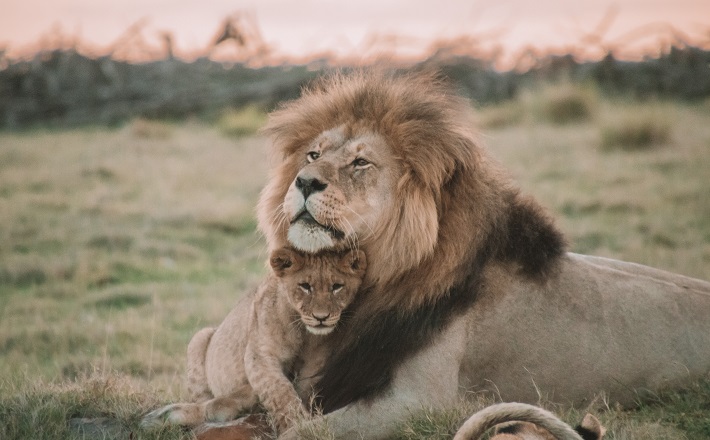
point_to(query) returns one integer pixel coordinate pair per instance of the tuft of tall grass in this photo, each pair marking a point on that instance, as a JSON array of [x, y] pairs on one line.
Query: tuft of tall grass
[[636, 131], [243, 122], [567, 104], [501, 115]]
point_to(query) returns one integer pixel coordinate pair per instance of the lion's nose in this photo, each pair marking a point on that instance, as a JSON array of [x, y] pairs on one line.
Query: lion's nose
[[309, 185]]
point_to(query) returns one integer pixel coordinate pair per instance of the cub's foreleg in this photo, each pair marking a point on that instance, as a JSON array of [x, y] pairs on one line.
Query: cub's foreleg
[[276, 393]]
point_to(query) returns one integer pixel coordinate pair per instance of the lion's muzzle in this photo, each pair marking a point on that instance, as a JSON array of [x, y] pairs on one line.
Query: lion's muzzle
[[313, 213]]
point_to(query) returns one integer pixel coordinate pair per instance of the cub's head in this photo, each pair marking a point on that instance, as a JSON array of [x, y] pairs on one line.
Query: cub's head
[[319, 286]]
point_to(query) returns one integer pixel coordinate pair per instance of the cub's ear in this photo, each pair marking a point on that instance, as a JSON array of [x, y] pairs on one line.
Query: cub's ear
[[285, 260], [354, 261]]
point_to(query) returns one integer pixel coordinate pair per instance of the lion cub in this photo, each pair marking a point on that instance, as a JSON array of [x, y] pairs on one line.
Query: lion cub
[[247, 359], [314, 289]]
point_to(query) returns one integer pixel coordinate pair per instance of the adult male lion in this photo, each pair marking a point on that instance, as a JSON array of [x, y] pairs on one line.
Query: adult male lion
[[469, 286]]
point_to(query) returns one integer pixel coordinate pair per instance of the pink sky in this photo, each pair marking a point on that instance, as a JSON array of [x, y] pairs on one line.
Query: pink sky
[[305, 26]]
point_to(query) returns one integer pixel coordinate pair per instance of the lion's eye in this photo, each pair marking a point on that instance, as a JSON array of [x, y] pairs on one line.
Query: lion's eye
[[337, 287], [312, 155], [360, 163], [305, 287]]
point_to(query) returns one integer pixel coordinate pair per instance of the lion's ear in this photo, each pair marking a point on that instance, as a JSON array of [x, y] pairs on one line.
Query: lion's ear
[[354, 261], [285, 260]]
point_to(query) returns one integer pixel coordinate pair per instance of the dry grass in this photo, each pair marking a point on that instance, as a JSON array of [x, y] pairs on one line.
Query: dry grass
[[148, 129], [50, 410], [116, 247]]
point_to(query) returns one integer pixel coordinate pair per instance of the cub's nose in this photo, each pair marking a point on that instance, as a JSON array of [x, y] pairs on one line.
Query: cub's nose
[[321, 316], [309, 185]]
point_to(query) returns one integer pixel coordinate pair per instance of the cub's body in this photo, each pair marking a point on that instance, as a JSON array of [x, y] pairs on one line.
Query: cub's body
[[251, 356]]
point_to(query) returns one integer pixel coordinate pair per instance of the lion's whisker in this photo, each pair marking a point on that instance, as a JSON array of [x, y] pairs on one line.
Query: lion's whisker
[[371, 231], [296, 323], [353, 240], [278, 218]]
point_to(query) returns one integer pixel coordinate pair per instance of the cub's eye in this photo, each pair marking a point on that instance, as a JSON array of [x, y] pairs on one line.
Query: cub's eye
[[312, 155], [305, 287], [360, 163], [337, 287]]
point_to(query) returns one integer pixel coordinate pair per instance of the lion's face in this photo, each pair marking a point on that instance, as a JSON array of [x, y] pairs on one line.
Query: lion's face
[[319, 287], [342, 191], [372, 162]]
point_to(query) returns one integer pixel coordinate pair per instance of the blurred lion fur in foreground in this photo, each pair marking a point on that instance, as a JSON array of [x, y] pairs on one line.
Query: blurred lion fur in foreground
[[527, 422]]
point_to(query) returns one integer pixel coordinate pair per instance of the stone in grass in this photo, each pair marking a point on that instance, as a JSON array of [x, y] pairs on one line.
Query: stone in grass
[[99, 428]]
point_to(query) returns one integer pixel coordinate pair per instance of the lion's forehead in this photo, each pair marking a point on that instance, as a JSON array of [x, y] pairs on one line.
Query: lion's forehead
[[323, 276], [331, 139]]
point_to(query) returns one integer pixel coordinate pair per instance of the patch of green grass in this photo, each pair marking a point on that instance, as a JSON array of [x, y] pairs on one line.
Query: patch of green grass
[[243, 122], [121, 301], [23, 277], [111, 243], [686, 410], [44, 344]]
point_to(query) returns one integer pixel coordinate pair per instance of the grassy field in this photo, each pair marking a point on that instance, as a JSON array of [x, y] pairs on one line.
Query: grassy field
[[117, 245]]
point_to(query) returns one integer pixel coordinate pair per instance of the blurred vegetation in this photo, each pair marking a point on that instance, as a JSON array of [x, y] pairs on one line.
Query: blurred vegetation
[[645, 128], [66, 88], [244, 122], [567, 104]]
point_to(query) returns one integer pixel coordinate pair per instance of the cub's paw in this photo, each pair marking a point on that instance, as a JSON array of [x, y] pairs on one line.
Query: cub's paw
[[182, 414]]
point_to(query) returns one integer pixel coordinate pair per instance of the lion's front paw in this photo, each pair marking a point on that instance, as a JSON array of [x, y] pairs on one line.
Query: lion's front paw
[[182, 414]]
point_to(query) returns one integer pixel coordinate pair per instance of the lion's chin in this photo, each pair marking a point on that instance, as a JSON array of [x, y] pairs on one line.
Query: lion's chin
[[321, 330], [308, 237]]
